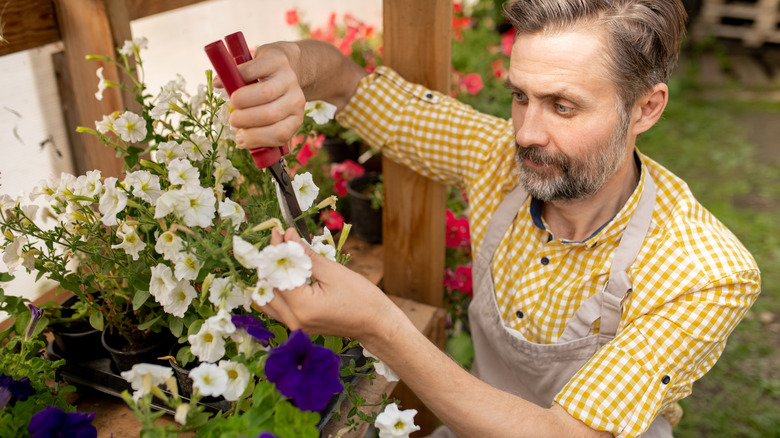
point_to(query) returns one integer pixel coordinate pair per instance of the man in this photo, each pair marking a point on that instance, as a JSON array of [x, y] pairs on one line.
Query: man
[[603, 290]]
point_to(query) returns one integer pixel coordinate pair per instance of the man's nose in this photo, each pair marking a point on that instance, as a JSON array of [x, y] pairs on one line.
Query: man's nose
[[532, 130]]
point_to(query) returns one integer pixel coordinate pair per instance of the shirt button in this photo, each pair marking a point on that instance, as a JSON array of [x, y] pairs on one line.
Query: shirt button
[[666, 379], [429, 95], [519, 314], [545, 260]]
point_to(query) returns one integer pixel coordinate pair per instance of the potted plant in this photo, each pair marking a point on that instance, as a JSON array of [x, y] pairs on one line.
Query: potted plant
[[178, 247]]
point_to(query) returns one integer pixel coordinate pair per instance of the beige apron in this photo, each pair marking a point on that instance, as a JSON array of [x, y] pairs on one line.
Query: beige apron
[[537, 372]]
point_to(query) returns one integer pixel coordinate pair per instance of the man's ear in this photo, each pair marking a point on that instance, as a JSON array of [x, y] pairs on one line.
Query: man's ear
[[648, 109]]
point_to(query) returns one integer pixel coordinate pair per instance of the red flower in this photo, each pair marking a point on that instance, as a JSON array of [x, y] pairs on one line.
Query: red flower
[[344, 172], [506, 41], [498, 69], [459, 280], [457, 234], [472, 82], [333, 220], [458, 24], [292, 17]]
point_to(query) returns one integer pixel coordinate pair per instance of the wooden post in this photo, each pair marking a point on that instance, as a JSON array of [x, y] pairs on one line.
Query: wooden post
[[417, 44], [86, 29], [417, 39]]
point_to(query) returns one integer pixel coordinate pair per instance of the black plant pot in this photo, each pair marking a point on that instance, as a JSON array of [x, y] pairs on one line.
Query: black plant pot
[[76, 340], [124, 356], [366, 220], [184, 380]]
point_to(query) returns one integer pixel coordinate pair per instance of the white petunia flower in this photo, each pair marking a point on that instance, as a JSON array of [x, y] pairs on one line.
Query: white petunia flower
[[324, 249], [131, 48], [169, 245], [186, 266], [162, 283], [12, 256], [145, 185], [169, 202], [392, 423], [381, 368], [200, 207], [181, 414], [221, 323], [305, 190], [320, 111], [197, 147], [232, 211], [7, 203], [245, 253], [207, 344], [88, 185], [326, 238], [102, 85], [168, 151], [209, 379], [105, 124], [224, 171], [131, 241], [182, 172], [112, 202], [225, 289], [199, 98], [263, 293], [131, 127], [238, 379], [144, 376], [167, 101], [179, 299], [285, 266]]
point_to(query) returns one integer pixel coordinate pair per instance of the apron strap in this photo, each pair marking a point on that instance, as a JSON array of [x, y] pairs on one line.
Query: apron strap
[[608, 305], [504, 215]]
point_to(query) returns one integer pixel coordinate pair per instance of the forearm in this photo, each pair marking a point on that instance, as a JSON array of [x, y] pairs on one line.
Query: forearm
[[468, 406], [324, 73]]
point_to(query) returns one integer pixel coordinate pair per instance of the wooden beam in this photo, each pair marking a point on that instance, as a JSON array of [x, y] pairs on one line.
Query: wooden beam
[[86, 29], [417, 38], [27, 24], [417, 44]]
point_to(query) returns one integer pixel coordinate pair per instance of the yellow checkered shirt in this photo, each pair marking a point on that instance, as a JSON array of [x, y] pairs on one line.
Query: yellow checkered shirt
[[693, 280]]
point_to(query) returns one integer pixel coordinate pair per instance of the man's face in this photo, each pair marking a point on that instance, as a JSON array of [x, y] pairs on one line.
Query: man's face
[[570, 137]]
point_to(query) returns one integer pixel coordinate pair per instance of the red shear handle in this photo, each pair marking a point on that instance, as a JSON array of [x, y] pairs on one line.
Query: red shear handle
[[225, 65]]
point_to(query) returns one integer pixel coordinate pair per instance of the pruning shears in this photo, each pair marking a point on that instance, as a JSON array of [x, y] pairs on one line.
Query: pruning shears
[[272, 158]]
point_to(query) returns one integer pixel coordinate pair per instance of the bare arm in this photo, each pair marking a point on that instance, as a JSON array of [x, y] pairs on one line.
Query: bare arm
[[283, 76], [341, 302]]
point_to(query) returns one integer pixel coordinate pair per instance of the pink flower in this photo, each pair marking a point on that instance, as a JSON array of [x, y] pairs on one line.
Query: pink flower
[[506, 41], [292, 17], [459, 280], [458, 24], [344, 172], [333, 220], [457, 234], [472, 82]]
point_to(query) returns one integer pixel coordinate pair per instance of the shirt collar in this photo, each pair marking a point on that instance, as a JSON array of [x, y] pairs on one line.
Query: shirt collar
[[607, 229]]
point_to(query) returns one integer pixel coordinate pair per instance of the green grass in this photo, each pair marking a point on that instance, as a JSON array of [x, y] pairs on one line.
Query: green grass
[[706, 143]]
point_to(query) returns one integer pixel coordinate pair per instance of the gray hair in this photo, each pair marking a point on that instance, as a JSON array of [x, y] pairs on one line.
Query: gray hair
[[644, 36]]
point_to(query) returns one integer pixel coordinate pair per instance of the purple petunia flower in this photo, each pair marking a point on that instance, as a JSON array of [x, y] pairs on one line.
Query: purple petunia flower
[[267, 435], [254, 327], [11, 389], [305, 372], [35, 315], [53, 421]]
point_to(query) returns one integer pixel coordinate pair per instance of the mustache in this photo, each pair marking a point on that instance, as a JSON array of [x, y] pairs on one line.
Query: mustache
[[535, 155]]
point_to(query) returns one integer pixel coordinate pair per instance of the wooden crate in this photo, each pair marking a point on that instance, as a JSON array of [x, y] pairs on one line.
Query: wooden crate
[[755, 22]]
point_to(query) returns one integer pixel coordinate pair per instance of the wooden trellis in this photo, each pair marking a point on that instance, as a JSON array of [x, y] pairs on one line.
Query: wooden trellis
[[754, 22]]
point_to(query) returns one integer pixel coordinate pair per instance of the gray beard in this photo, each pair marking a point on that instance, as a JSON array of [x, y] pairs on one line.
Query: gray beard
[[574, 178]]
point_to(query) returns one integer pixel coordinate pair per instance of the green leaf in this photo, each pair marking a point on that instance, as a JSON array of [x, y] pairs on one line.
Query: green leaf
[[176, 325], [149, 323], [96, 320], [461, 349], [140, 298]]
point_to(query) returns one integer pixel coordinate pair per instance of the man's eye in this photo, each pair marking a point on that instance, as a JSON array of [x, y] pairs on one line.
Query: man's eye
[[563, 109], [518, 96]]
